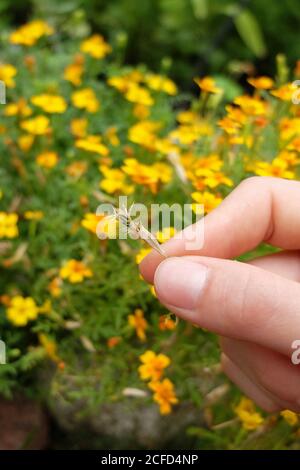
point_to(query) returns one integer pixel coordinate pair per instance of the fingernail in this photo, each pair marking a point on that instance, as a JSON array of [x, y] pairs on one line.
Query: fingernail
[[179, 283]]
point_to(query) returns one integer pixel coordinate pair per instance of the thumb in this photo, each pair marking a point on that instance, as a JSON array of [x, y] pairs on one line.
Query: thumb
[[232, 299]]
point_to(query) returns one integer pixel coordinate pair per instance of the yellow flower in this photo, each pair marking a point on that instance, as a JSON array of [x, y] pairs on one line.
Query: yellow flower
[[290, 417], [114, 181], [139, 323], [285, 92], [50, 347], [165, 234], [164, 395], [143, 133], [112, 136], [209, 200], [248, 415], [251, 106], [95, 46], [91, 221], [74, 71], [291, 158], [21, 310], [140, 111], [85, 99], [76, 169], [278, 168], [33, 215], [47, 159], [30, 33], [79, 127], [38, 125], [54, 287], [153, 365], [8, 225], [212, 179], [50, 103], [7, 74], [142, 254], [160, 83], [261, 83], [25, 142], [75, 271], [147, 175], [139, 94], [208, 85], [92, 143], [19, 108]]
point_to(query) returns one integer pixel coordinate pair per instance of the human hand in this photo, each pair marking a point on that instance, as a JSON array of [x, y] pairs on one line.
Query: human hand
[[254, 306]]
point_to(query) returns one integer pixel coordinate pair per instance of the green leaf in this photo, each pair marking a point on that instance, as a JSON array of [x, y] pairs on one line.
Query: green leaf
[[250, 32]]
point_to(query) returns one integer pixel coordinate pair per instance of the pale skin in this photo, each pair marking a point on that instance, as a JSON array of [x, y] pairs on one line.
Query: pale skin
[[255, 306]]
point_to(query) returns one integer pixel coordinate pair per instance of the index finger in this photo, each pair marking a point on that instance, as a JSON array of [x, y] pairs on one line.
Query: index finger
[[260, 209]]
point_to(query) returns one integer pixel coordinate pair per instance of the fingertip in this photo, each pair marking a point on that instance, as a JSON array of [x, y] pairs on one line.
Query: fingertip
[[148, 266]]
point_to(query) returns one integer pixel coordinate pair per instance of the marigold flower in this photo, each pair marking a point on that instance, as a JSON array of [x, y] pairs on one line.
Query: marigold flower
[[144, 133], [210, 201], [30, 33], [19, 108], [50, 347], [75, 271], [38, 125], [25, 142], [285, 92], [79, 127], [248, 415], [277, 168], [165, 322], [8, 225], [139, 94], [47, 159], [22, 310], [98, 223], [139, 323], [251, 106], [160, 83], [74, 71], [153, 365], [92, 143], [76, 169], [54, 287], [7, 74], [208, 85], [95, 46], [290, 417], [86, 99], [114, 181], [50, 103], [164, 395], [147, 175], [261, 83]]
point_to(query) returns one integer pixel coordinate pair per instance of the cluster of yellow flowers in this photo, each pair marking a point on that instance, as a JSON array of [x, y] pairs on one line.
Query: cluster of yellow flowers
[[152, 369]]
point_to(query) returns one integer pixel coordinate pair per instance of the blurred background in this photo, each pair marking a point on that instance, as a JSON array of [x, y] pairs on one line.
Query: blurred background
[[187, 37]]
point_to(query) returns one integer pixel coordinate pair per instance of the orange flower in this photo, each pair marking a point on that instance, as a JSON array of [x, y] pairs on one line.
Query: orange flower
[[75, 271], [166, 323], [113, 341], [153, 365], [138, 322], [261, 83], [208, 85], [164, 395], [47, 159]]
